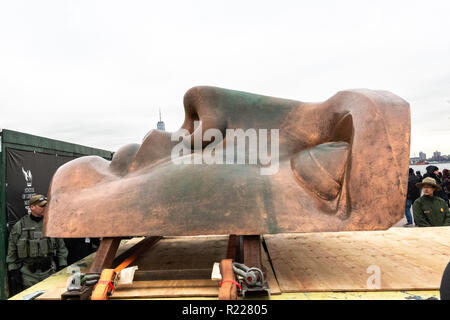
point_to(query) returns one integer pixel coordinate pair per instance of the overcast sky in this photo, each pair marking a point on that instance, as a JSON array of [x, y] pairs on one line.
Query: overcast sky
[[96, 72]]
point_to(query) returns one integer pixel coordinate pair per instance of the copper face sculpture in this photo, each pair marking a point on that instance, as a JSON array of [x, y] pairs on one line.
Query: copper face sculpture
[[340, 165]]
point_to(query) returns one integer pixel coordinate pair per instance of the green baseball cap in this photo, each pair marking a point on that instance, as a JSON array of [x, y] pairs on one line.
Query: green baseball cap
[[38, 200]]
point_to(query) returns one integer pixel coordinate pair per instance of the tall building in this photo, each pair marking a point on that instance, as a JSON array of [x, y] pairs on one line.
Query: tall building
[[422, 156], [436, 156], [160, 125]]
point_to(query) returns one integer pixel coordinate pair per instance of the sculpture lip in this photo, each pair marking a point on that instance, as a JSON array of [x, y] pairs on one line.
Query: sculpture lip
[[329, 158]]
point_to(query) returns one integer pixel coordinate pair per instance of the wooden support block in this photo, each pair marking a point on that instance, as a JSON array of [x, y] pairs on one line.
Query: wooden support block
[[227, 290], [233, 245], [105, 254], [252, 251]]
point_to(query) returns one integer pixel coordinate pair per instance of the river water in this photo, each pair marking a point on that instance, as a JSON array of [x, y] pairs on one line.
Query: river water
[[441, 166]]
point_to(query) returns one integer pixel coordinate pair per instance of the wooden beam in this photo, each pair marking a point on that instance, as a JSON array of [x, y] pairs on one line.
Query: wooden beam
[[233, 245], [252, 251], [105, 254]]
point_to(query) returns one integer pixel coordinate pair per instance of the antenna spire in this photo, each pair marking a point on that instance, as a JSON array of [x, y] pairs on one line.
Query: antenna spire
[[160, 125]]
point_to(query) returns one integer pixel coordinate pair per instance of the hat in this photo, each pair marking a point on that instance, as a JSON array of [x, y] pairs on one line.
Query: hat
[[38, 200], [431, 169], [429, 182]]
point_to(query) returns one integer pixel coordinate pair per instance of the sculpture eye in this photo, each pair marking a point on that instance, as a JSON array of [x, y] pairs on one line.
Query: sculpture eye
[[321, 169]]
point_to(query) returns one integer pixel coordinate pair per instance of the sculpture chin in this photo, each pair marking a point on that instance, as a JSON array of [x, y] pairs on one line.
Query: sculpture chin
[[327, 178]]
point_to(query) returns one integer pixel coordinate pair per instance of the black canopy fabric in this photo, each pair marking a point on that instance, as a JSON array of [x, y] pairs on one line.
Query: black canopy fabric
[[28, 173]]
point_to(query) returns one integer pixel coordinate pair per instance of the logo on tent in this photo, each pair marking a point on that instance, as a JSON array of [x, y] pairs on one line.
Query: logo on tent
[[28, 177]]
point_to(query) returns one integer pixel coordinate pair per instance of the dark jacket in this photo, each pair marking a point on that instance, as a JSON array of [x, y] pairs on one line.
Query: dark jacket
[[446, 181], [431, 211], [413, 191], [419, 175]]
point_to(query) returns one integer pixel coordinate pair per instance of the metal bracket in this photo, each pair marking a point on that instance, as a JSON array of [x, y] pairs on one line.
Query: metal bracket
[[83, 293], [257, 291], [80, 286], [252, 280]]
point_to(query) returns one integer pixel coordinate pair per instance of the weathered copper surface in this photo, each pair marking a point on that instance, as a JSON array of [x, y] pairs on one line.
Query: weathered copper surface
[[343, 165]]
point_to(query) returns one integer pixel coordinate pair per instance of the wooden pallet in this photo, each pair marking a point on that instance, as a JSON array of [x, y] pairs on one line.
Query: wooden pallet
[[181, 267], [408, 259], [175, 267]]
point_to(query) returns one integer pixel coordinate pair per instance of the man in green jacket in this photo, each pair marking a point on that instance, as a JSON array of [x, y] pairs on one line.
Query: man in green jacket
[[429, 210], [31, 257]]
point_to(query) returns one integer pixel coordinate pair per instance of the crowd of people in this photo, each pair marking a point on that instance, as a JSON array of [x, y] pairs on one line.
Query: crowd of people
[[428, 196]]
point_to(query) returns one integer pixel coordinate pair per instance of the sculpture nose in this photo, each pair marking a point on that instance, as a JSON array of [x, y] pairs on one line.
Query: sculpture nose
[[202, 105], [203, 111]]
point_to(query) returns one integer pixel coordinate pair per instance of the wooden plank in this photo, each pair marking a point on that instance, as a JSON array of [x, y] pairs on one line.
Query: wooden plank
[[183, 274], [198, 283], [168, 292], [105, 254], [233, 245], [252, 251], [408, 258]]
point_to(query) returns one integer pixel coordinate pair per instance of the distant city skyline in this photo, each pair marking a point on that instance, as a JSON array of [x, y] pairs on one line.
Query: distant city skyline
[[429, 155], [436, 156]]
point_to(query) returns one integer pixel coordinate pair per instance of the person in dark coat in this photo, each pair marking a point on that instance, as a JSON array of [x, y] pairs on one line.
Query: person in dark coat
[[446, 182], [433, 172], [419, 175], [413, 194], [32, 257]]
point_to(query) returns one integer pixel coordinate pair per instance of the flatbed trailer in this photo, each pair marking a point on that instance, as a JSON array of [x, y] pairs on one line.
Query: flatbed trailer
[[399, 263]]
